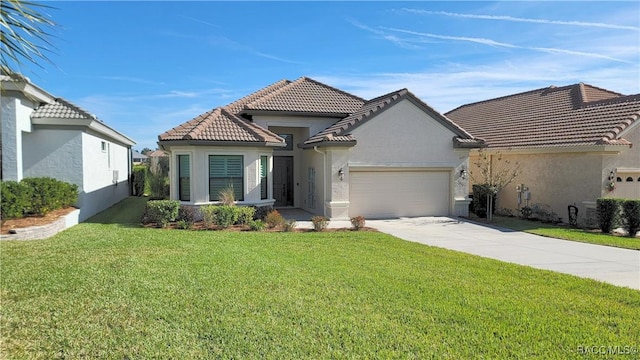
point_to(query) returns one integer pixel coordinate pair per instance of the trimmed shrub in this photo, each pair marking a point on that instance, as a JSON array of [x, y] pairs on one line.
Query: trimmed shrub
[[49, 194], [245, 214], [16, 199], [480, 193], [357, 222], [208, 215], [289, 226], [526, 212], [608, 213], [162, 212], [274, 219], [256, 225], [320, 223], [187, 215], [226, 215], [631, 216], [139, 179], [261, 212]]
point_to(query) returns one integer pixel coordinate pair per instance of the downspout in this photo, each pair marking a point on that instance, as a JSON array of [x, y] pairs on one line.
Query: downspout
[[324, 180]]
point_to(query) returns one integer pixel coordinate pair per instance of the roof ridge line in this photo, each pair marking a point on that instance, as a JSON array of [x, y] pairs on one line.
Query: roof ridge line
[[243, 101], [75, 107], [331, 87], [245, 125], [198, 128]]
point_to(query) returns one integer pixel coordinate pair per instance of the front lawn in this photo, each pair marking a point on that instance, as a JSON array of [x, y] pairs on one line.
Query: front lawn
[[103, 290], [566, 233]]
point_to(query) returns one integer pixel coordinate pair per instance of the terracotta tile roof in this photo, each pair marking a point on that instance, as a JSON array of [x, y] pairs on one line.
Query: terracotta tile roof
[[340, 131], [574, 115], [61, 109], [302, 96], [307, 96]]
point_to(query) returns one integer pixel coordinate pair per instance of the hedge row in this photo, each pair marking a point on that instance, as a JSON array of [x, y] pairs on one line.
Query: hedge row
[[139, 179], [36, 196], [618, 212]]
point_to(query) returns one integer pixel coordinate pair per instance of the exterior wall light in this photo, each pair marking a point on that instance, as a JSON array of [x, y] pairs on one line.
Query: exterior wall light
[[463, 173], [341, 174]]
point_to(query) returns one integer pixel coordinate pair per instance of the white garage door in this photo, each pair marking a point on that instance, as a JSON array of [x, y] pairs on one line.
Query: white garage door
[[387, 194]]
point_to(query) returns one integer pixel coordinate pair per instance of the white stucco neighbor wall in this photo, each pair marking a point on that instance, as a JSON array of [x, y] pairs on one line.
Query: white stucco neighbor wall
[[105, 174], [15, 117], [199, 165], [53, 153]]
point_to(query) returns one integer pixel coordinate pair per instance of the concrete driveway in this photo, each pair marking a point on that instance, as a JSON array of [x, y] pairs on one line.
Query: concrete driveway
[[616, 266]]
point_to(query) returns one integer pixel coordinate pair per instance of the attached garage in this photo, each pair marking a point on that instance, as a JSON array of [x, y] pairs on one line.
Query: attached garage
[[389, 194]]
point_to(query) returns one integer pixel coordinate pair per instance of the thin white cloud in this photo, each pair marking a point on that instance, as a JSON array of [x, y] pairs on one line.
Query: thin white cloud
[[131, 79], [526, 20], [482, 41], [494, 43]]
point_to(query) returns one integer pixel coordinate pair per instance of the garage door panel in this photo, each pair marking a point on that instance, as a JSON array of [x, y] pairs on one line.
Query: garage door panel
[[384, 194]]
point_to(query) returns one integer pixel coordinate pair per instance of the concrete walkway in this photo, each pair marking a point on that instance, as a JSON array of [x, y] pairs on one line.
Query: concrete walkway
[[616, 266], [612, 265]]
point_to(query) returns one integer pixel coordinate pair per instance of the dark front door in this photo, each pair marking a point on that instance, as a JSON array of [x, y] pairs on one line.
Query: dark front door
[[283, 180]]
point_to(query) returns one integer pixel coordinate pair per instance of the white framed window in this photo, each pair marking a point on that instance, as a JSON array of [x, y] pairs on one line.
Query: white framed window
[[184, 177], [226, 171], [264, 173]]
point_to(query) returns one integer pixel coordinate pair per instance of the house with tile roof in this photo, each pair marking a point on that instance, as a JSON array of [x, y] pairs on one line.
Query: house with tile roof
[[572, 143], [307, 145], [46, 136]]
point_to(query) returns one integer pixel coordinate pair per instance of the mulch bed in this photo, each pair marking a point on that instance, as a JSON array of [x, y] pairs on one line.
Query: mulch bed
[[34, 220]]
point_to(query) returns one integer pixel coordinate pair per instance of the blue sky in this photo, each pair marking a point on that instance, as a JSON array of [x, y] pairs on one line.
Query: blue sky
[[145, 67]]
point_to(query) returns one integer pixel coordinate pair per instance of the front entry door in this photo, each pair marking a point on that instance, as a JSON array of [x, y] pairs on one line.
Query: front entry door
[[283, 180]]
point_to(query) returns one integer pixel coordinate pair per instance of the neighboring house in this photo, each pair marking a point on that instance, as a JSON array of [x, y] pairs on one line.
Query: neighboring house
[[571, 142], [307, 145], [45, 136], [138, 158]]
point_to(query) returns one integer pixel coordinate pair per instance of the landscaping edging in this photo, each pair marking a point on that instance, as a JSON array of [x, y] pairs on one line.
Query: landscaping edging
[[44, 231]]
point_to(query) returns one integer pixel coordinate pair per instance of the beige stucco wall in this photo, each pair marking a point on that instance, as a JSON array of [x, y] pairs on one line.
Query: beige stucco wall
[[559, 179], [401, 137]]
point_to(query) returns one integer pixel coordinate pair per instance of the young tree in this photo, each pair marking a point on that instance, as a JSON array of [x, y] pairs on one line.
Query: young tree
[[494, 173], [24, 34]]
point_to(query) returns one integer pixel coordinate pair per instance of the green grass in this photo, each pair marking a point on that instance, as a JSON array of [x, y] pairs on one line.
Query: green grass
[[566, 233], [102, 290]]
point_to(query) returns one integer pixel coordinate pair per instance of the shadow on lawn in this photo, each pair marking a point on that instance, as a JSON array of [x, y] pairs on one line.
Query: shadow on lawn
[[126, 213]]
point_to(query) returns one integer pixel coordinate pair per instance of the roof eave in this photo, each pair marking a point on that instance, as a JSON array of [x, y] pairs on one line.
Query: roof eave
[[324, 143], [293, 113], [183, 142]]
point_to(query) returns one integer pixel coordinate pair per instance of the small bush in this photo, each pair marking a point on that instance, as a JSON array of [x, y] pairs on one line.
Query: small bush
[[289, 226], [184, 225], [139, 179], [357, 222], [49, 194], [261, 212], [162, 212], [15, 199], [544, 213], [208, 215], [256, 225], [274, 219], [245, 214], [525, 212], [608, 214], [631, 216], [225, 215], [480, 193], [187, 215], [320, 223]]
